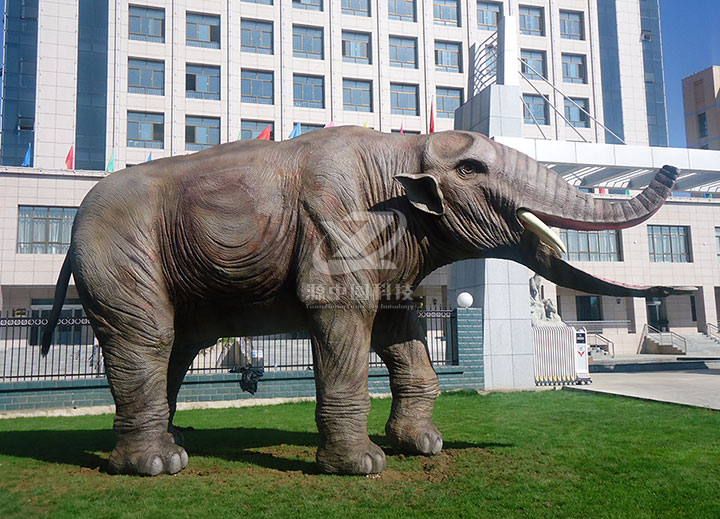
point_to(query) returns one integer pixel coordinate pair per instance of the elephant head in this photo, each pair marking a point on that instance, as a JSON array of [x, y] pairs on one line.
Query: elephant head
[[497, 202]]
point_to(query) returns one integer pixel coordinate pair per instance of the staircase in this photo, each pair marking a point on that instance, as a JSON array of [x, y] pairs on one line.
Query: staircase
[[655, 344], [701, 345]]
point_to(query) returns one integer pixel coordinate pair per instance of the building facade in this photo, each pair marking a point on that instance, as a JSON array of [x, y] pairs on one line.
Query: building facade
[[701, 101], [132, 80]]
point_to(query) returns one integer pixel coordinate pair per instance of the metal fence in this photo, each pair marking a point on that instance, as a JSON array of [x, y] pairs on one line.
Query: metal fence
[[76, 354]]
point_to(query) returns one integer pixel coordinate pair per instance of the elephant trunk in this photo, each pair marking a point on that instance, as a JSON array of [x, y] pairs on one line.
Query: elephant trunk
[[559, 204]]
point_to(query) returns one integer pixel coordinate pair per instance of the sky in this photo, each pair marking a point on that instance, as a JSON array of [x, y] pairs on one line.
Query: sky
[[691, 43]]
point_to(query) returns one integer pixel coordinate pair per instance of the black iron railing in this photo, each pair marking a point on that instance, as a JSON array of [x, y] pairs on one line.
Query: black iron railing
[[75, 352]]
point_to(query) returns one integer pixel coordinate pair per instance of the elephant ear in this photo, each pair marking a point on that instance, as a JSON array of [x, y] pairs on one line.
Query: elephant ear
[[423, 192]]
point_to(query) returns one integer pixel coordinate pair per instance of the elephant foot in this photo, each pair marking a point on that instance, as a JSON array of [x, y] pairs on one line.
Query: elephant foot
[[148, 457], [348, 457], [414, 436]]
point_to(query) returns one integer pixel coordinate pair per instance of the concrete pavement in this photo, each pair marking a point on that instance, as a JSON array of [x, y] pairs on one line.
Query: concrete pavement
[[696, 387]]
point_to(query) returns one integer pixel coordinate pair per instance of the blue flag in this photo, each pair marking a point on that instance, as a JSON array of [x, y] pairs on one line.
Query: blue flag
[[28, 156], [149, 157], [296, 131]]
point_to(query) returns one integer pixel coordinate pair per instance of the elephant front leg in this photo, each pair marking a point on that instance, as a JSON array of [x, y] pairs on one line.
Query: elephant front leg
[[341, 346], [399, 341]]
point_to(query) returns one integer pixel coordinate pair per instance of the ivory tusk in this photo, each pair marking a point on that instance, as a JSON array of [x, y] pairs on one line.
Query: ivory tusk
[[546, 235]]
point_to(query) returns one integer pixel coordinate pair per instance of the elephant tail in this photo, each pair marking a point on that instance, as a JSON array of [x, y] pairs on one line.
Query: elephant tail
[[60, 291]]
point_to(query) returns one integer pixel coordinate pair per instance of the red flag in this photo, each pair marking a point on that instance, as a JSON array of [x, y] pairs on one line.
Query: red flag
[[432, 119], [69, 159], [402, 131], [265, 134]]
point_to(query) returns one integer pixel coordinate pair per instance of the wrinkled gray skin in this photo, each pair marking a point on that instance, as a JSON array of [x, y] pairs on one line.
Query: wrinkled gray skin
[[170, 255]]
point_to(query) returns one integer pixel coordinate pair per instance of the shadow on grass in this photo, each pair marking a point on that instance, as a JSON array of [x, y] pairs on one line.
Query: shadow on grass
[[281, 450]]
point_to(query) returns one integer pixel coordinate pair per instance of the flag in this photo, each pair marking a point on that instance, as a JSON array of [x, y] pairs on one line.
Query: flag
[[28, 156], [111, 163], [330, 124], [432, 119], [265, 134], [149, 157], [296, 131], [69, 159], [239, 135], [402, 131], [365, 125]]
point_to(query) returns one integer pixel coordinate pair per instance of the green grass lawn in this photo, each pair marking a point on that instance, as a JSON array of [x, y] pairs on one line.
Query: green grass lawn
[[537, 455]]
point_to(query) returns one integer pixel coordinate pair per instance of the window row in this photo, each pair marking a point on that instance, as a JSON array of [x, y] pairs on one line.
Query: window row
[[533, 66], [46, 230], [203, 30], [536, 110], [532, 20], [667, 243]]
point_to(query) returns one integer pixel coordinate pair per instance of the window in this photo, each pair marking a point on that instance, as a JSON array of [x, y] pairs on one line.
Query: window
[[201, 132], [309, 91], [571, 25], [535, 109], [202, 82], [573, 68], [403, 10], [44, 230], [592, 245], [147, 24], [404, 99], [356, 7], [25, 123], [256, 87], [576, 112], [717, 242], [146, 130], [307, 42], [669, 243], [589, 308], [702, 125], [203, 30], [403, 52], [251, 129], [264, 2], [446, 12], [532, 65], [310, 5], [487, 15], [305, 128], [146, 77], [356, 47], [447, 56], [448, 100], [357, 95], [256, 36], [531, 21]]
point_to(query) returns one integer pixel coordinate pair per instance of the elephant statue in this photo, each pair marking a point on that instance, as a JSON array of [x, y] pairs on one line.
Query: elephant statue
[[259, 237]]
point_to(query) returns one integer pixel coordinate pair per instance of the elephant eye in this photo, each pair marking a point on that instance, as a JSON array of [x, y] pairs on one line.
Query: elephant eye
[[468, 168]]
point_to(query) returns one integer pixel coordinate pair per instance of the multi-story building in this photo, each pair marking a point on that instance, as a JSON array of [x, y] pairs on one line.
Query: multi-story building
[[133, 79], [701, 101]]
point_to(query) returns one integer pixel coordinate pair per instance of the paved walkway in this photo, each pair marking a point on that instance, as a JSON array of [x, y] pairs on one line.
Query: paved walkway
[[699, 387]]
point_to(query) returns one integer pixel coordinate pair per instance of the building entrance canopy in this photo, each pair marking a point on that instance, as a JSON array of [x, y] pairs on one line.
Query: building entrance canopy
[[616, 166]]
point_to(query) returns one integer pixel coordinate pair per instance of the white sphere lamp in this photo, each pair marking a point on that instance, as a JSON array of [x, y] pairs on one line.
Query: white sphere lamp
[[464, 300]]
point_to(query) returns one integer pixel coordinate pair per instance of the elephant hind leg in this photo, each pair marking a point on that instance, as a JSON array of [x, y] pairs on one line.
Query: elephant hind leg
[[180, 361], [400, 342], [136, 343]]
